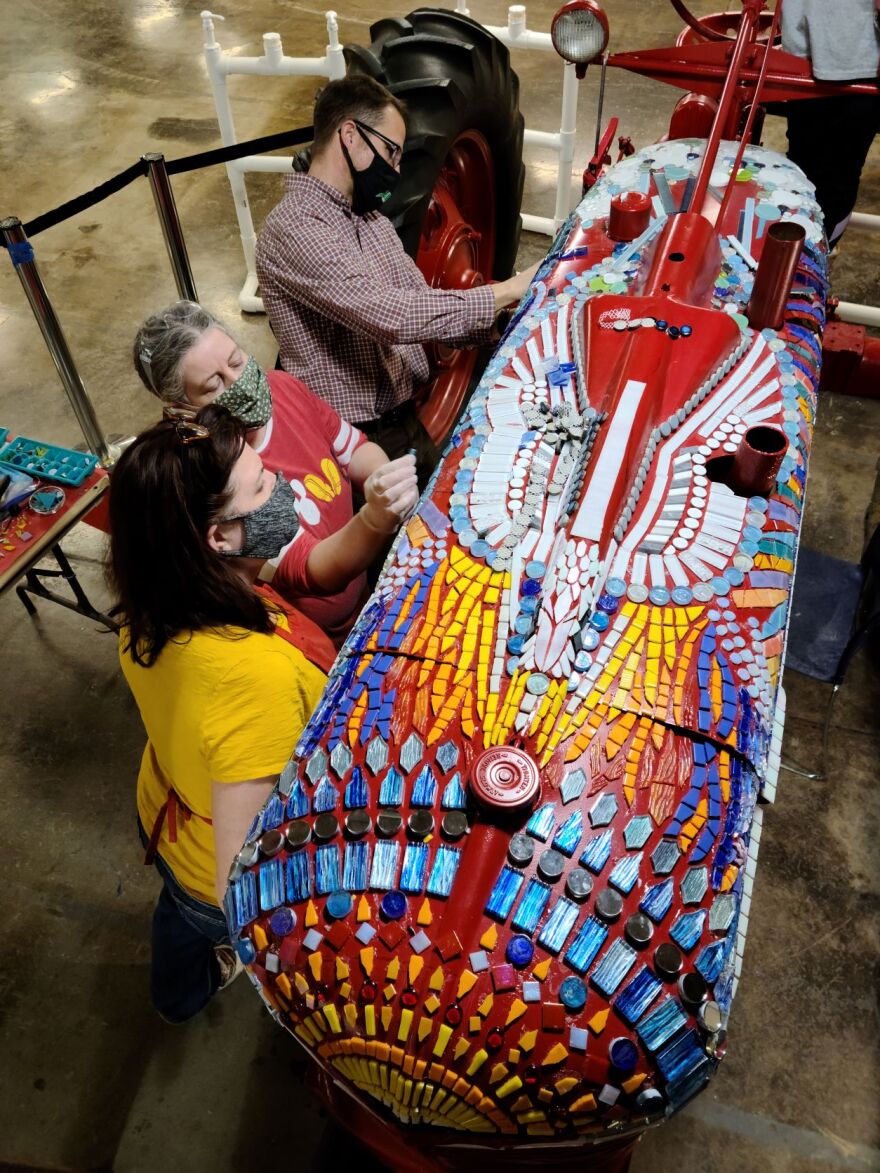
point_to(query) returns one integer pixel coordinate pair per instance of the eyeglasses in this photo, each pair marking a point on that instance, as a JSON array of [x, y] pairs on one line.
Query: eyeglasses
[[395, 150]]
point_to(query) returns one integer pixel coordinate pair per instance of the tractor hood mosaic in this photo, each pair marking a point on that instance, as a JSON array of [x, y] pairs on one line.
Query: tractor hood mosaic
[[502, 889]]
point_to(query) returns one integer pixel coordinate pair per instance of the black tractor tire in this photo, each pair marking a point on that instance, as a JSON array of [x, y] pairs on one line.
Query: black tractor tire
[[454, 76]]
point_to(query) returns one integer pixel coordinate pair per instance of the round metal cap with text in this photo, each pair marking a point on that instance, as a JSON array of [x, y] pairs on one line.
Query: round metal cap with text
[[505, 778]]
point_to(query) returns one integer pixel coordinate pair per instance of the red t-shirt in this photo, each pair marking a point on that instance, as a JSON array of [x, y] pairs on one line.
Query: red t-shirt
[[308, 442]]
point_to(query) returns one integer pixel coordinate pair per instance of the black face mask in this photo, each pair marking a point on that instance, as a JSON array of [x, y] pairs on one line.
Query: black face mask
[[374, 185]]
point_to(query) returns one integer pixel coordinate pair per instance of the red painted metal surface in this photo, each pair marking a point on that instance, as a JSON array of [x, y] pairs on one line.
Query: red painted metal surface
[[456, 251], [776, 270]]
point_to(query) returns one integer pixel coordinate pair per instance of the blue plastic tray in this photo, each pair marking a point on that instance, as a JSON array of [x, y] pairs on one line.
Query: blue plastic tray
[[48, 462]]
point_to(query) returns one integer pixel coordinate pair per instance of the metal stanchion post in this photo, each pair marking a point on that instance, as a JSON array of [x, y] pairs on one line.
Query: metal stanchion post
[[22, 256], [171, 229]]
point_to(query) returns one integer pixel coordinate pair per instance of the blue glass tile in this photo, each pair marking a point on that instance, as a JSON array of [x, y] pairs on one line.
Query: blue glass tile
[[503, 893], [340, 759], [603, 811], [542, 821], [597, 851], [614, 967], [531, 907], [424, 790], [271, 884], [558, 925], [244, 899], [356, 790], [325, 797], [658, 900], [722, 912], [454, 797], [625, 872], [665, 856], [299, 877], [385, 858], [637, 831], [632, 1002], [688, 929], [684, 1065], [661, 1024], [376, 756], [297, 803], [573, 786], [443, 871], [583, 949], [412, 752], [273, 813], [391, 790], [710, 960], [327, 877], [693, 886], [415, 865], [569, 834], [356, 866], [447, 756]]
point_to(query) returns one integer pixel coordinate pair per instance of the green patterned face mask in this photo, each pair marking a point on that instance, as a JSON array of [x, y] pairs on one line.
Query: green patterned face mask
[[249, 397]]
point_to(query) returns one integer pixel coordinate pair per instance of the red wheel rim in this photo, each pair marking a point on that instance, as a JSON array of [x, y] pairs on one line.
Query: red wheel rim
[[456, 251], [717, 26]]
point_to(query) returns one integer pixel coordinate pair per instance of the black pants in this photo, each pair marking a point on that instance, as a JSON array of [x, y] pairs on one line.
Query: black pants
[[829, 139], [400, 430]]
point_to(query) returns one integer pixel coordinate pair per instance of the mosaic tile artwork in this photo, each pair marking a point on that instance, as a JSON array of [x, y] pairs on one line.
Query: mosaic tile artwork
[[582, 608]]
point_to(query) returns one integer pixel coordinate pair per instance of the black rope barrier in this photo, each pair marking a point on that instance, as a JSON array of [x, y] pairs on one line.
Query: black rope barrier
[[80, 203]]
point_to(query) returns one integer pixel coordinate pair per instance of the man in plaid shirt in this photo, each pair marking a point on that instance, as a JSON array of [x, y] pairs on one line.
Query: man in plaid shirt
[[349, 308]]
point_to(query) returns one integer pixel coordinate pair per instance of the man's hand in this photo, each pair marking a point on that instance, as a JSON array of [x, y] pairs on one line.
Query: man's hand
[[391, 492], [512, 290]]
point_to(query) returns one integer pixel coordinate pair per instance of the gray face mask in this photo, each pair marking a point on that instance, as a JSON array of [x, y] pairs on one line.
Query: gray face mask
[[268, 528]]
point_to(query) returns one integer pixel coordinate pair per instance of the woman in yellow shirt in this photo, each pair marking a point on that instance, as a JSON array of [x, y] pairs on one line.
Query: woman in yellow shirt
[[224, 674]]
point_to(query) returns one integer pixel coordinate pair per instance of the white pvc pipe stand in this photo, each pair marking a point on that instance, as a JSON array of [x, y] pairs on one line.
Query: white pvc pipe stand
[[274, 63]]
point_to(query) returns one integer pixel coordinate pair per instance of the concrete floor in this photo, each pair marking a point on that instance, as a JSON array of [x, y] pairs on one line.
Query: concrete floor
[[90, 1079]]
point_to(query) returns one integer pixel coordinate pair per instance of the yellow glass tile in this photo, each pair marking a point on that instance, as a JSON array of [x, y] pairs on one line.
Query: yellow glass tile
[[563, 1086], [527, 1041], [260, 939], [300, 981], [393, 970], [498, 1072], [477, 1062], [283, 984], [475, 1024], [341, 970], [315, 963], [461, 1047], [584, 1104], [635, 1081], [466, 983], [598, 1022], [349, 1011], [541, 970], [386, 1015], [415, 967], [425, 915], [424, 1029], [404, 1026], [485, 1007], [517, 1010], [509, 1087], [545, 1095], [367, 957], [556, 1054], [444, 1034], [489, 939], [370, 1019], [332, 1016], [311, 917], [432, 1002], [363, 909], [389, 992], [532, 1116], [513, 1055], [345, 990]]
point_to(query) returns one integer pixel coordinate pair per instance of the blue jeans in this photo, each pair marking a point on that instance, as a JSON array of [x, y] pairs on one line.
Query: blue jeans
[[184, 974]]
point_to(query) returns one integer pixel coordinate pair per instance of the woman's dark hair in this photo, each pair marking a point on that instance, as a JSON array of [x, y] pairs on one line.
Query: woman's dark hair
[[167, 489]]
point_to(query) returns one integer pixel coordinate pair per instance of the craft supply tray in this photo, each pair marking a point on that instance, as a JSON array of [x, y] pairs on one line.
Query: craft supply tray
[[48, 462]]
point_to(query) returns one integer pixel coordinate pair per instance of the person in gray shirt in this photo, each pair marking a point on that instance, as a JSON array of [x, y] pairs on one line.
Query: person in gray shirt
[[829, 138]]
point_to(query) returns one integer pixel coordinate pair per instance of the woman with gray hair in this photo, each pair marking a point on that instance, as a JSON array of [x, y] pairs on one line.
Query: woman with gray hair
[[188, 358]]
